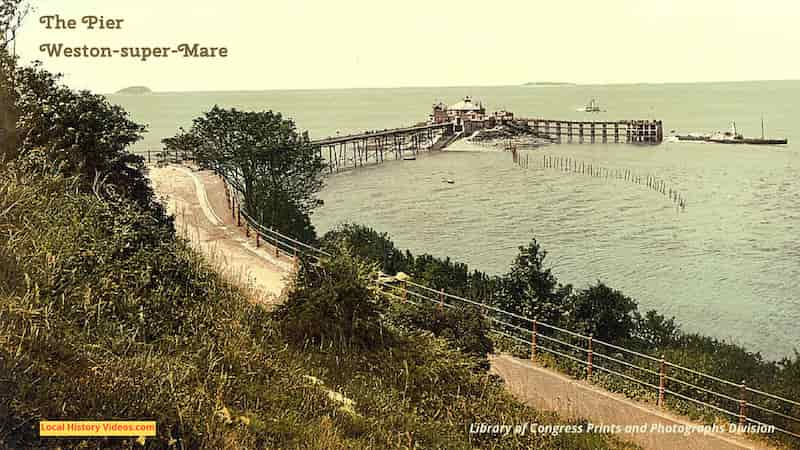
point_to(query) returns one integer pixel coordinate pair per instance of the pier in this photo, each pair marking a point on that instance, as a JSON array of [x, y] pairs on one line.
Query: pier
[[622, 131], [446, 124], [373, 147]]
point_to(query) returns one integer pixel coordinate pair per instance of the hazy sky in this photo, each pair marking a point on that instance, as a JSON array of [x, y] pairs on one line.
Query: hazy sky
[[295, 44]]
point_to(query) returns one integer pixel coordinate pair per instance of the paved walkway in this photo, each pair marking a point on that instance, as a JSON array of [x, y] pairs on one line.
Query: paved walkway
[[197, 199], [545, 389]]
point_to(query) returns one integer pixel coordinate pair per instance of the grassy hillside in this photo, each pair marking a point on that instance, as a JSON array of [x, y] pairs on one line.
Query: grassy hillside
[[105, 313]]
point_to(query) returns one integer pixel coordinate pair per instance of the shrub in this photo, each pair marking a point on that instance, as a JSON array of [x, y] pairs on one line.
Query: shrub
[[465, 329], [334, 303]]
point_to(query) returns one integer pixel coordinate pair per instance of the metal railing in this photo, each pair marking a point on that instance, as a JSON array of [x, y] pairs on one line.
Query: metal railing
[[279, 241], [746, 406], [742, 403]]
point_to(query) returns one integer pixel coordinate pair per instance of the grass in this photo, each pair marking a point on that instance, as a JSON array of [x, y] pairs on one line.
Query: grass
[[105, 313]]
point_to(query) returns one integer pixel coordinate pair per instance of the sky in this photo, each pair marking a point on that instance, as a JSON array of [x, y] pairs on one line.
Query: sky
[[318, 44]]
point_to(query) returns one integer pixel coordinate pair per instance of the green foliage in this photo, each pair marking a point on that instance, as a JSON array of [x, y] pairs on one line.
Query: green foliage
[[334, 303], [603, 312], [465, 329], [436, 273], [530, 289], [83, 133], [654, 331], [266, 158], [369, 245]]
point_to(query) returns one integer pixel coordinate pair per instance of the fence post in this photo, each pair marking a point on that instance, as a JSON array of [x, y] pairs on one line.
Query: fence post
[[233, 207], [405, 291], [441, 300], [239, 216], [247, 229], [149, 159], [742, 404], [589, 360], [534, 333], [662, 381], [258, 240]]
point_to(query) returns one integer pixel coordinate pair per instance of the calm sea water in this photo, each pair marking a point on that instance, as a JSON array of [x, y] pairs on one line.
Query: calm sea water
[[727, 266]]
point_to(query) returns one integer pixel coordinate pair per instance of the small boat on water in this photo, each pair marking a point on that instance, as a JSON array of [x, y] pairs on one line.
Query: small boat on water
[[592, 106], [734, 137]]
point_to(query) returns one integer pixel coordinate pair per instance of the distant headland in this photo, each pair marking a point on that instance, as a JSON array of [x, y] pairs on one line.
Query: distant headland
[[135, 90], [548, 83]]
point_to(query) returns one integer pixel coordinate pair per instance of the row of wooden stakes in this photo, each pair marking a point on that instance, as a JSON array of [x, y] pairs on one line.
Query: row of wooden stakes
[[570, 165]]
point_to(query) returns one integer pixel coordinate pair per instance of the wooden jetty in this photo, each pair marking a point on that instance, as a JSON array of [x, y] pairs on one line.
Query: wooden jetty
[[373, 147], [622, 131]]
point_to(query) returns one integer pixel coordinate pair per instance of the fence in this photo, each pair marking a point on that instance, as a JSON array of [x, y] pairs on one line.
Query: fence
[[748, 407], [163, 156], [280, 242]]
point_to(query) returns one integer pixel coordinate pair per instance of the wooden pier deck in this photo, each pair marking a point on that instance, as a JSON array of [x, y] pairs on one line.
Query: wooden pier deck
[[622, 131]]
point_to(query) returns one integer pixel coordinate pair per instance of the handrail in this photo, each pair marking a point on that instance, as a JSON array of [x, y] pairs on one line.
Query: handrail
[[595, 353]]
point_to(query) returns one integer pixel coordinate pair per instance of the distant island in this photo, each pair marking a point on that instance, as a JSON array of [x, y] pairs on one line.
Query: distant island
[[548, 83], [135, 90]]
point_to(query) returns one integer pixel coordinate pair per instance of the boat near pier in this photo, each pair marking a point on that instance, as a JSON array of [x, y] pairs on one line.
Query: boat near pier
[[732, 137]]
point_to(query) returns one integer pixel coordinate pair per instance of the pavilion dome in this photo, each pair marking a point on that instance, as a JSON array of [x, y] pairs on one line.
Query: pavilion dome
[[465, 105]]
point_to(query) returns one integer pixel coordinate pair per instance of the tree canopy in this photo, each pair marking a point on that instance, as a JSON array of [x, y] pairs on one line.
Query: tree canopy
[[81, 131], [269, 161]]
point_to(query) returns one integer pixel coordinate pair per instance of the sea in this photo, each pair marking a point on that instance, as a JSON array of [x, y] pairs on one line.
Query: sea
[[727, 265]]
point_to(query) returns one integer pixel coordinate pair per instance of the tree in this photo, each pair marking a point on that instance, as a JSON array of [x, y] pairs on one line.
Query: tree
[[603, 312], [369, 244], [654, 331], [8, 113], [82, 132], [12, 13], [530, 289], [268, 160]]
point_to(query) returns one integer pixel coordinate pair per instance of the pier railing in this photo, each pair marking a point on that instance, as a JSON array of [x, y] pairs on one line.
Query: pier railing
[[669, 383]]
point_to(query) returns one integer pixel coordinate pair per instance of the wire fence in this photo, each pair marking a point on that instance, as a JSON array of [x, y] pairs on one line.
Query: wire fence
[[584, 355]]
